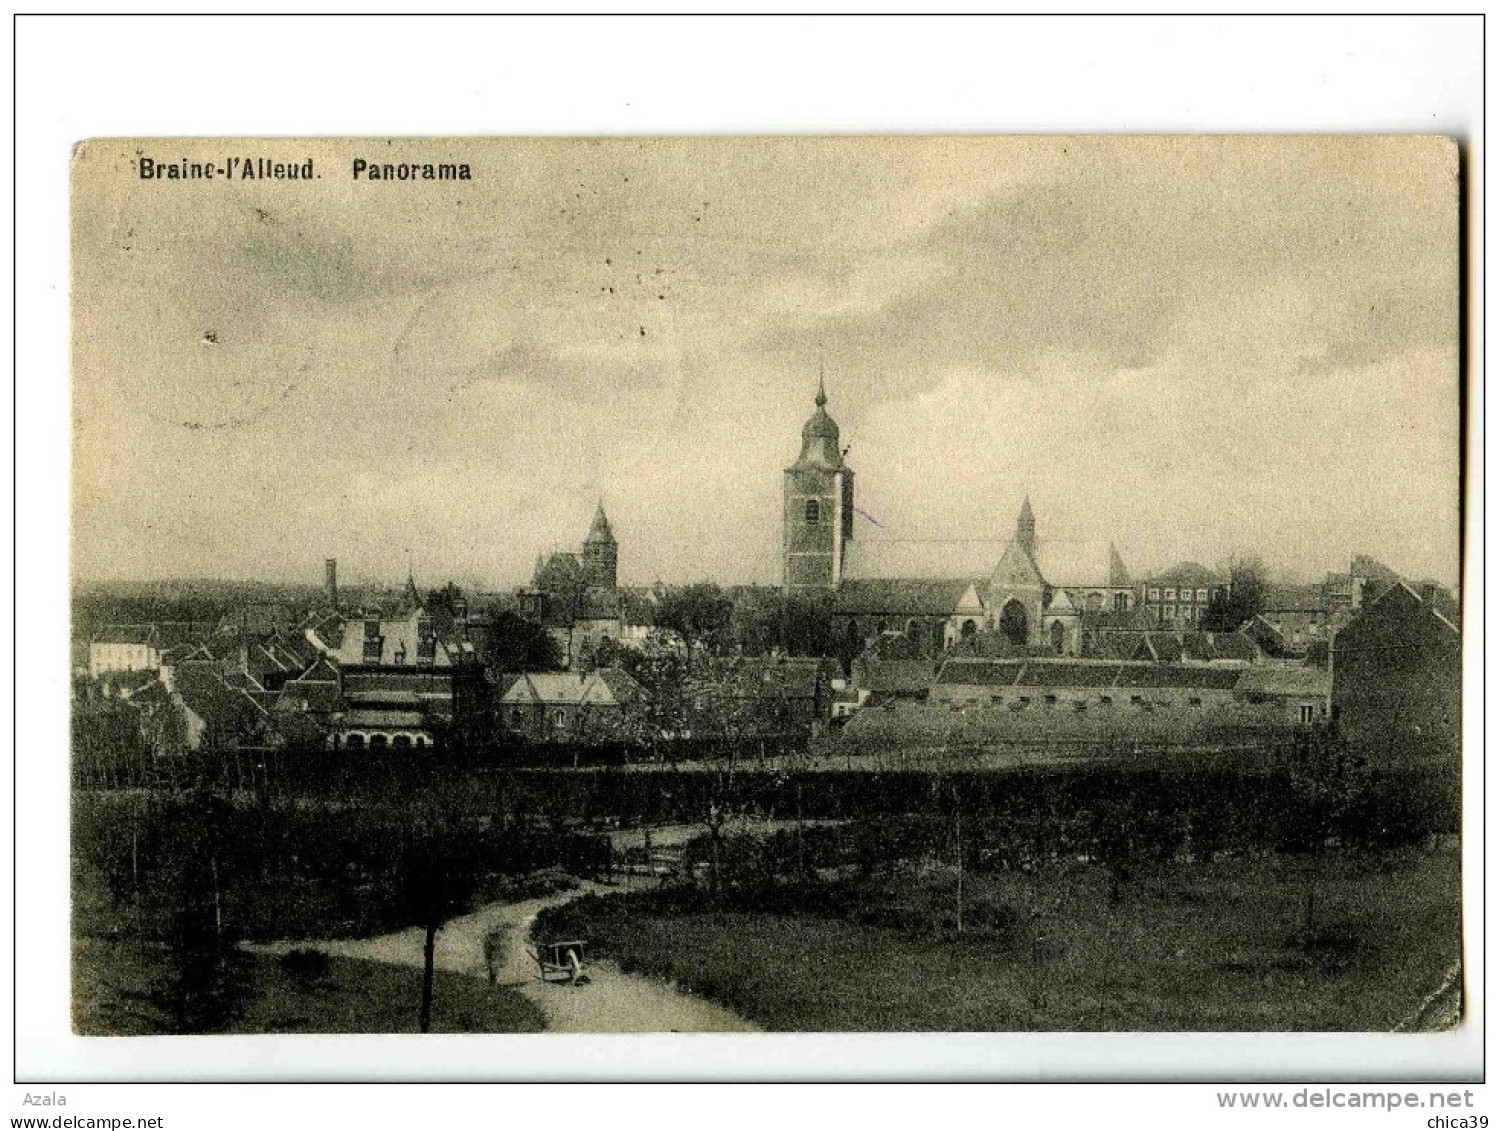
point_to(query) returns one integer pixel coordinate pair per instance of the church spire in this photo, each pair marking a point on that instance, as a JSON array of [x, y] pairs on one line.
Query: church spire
[[1025, 528], [600, 531], [820, 436]]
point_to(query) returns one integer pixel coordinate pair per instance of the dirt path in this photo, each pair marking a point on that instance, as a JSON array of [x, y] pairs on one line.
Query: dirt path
[[612, 1002]]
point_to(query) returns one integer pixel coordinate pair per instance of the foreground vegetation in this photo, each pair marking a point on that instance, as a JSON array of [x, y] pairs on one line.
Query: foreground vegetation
[[1178, 946], [1302, 896], [118, 990], [167, 884]]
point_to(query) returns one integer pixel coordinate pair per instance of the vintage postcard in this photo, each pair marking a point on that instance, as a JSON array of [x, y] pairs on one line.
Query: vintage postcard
[[761, 585]]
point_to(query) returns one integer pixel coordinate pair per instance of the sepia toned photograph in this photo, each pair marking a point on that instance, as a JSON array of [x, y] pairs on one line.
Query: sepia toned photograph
[[907, 584]]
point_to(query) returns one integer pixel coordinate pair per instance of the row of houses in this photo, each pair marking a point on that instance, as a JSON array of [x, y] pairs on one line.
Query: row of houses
[[403, 679], [784, 697], [961, 682], [265, 675], [1391, 681], [1296, 695]]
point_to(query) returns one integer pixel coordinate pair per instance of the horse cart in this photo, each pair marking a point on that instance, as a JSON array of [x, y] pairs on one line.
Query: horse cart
[[563, 962]]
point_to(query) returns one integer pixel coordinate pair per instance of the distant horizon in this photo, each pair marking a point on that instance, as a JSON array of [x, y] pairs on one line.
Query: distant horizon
[[472, 585]]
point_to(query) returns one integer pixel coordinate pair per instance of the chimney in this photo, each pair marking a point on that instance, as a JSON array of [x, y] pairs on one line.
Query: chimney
[[330, 574]]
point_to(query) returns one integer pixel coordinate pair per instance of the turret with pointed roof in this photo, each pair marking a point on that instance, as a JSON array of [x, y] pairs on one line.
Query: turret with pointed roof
[[601, 552], [818, 496], [411, 597], [600, 531], [1025, 528]]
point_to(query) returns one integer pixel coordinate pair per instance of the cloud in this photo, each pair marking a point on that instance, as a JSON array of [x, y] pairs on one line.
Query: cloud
[[1136, 259], [1183, 344]]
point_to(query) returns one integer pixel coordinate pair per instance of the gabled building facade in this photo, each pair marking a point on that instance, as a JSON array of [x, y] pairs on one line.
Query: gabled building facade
[[569, 706], [1397, 680]]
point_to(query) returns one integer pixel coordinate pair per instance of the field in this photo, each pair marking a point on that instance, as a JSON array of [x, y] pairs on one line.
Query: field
[[1219, 946], [111, 981]]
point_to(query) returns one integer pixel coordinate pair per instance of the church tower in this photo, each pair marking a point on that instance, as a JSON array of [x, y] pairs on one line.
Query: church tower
[[600, 553], [817, 521]]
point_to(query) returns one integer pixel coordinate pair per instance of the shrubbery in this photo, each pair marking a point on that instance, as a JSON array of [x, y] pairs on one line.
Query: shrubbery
[[533, 885], [303, 871], [1125, 824]]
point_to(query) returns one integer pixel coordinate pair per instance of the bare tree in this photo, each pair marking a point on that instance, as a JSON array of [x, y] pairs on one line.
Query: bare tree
[[1327, 782]]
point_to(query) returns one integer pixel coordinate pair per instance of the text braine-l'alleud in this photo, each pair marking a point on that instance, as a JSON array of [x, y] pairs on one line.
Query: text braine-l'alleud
[[225, 169], [267, 169]]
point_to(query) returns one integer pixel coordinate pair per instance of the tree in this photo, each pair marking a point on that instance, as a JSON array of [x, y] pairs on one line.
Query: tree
[[766, 620], [201, 984], [753, 624], [698, 613], [607, 654], [807, 624], [438, 873], [108, 749], [565, 585], [444, 602], [661, 712], [1327, 784], [297, 732], [957, 851], [514, 644], [1242, 600], [1114, 841]]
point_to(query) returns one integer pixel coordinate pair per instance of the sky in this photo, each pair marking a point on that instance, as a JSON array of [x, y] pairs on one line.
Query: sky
[[1196, 348]]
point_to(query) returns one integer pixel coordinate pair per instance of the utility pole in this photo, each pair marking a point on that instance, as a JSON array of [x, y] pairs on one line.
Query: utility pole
[[218, 913], [801, 856], [958, 845], [958, 821], [429, 946]]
